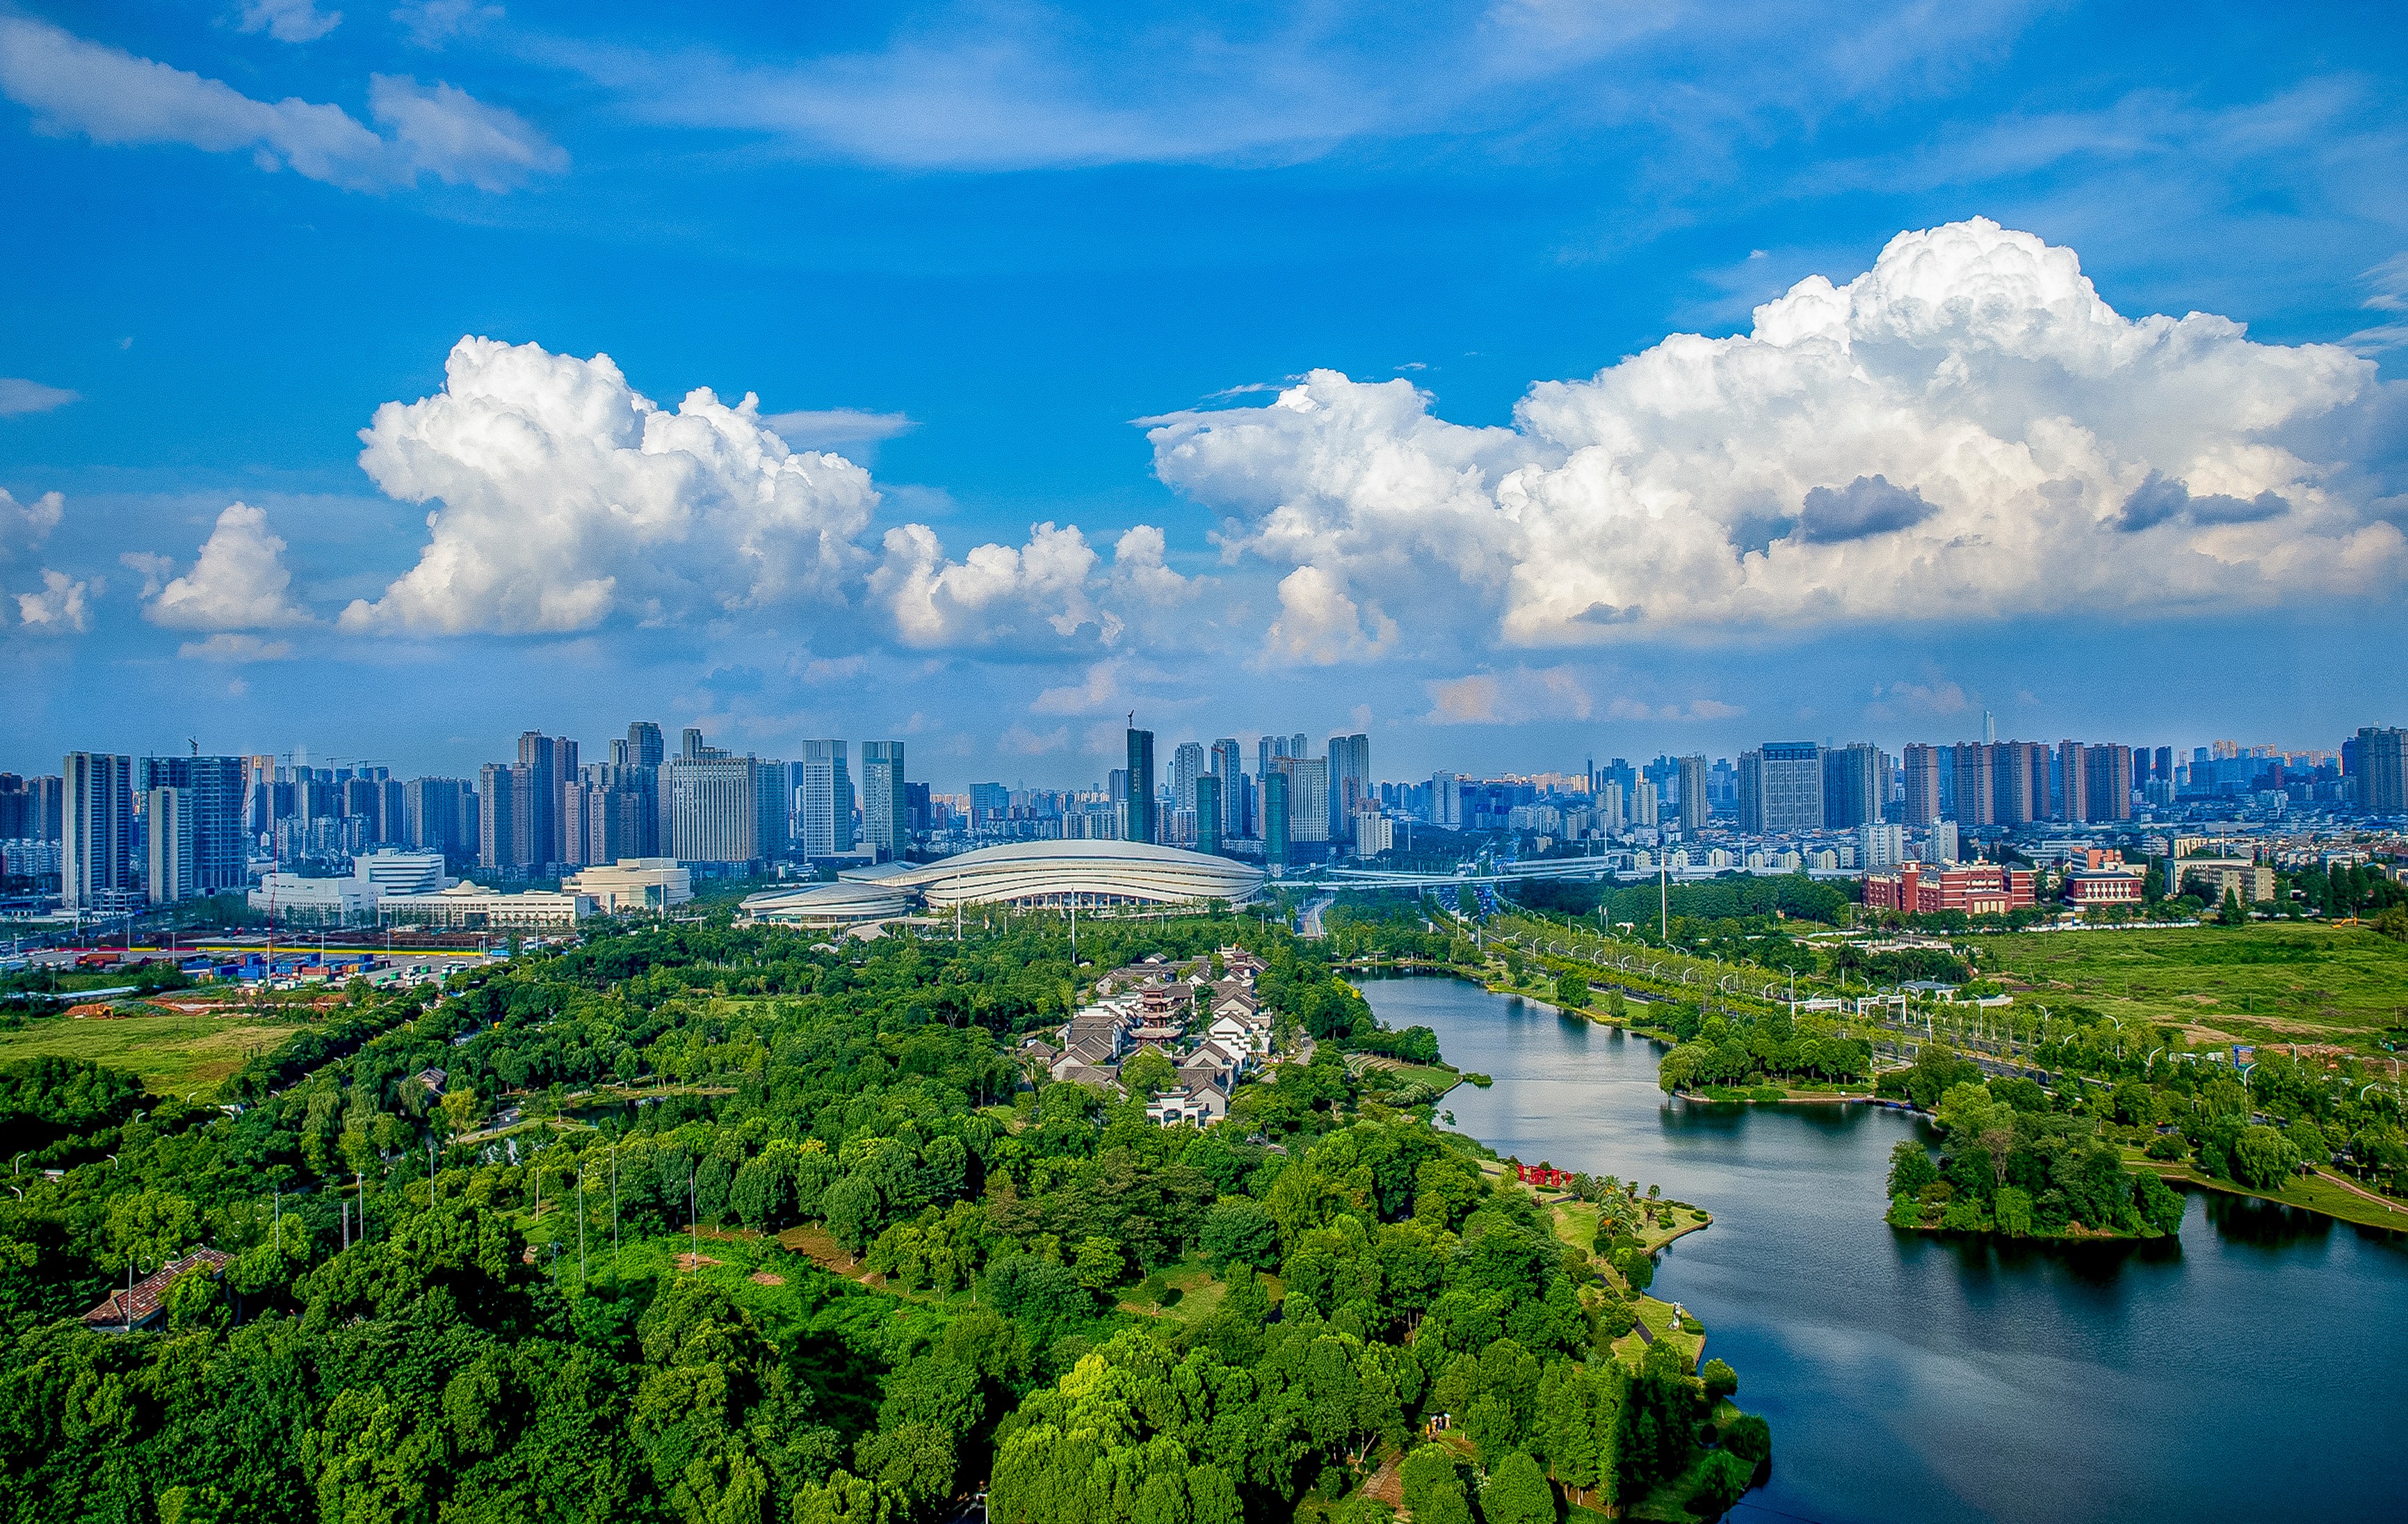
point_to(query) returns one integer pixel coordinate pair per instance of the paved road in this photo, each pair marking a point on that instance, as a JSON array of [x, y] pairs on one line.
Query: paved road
[[1307, 920]]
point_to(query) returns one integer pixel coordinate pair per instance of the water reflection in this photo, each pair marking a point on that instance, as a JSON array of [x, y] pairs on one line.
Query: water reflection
[[1915, 1376]]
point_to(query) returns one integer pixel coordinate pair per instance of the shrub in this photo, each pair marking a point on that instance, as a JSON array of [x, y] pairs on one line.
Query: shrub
[[1750, 1438], [1722, 1480], [1720, 1379]]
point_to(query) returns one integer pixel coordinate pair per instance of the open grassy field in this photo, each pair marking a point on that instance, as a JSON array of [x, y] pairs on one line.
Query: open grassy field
[[2287, 981], [173, 1053]]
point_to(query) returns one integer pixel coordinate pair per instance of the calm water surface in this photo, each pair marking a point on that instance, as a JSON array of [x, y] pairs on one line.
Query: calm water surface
[[2257, 1370]]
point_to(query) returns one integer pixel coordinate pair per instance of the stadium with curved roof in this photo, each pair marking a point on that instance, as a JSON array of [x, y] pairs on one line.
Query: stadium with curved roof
[[837, 904], [1088, 874]]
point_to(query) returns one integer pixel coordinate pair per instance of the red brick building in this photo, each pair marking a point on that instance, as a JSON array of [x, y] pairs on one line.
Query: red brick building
[[2103, 879], [1975, 888]]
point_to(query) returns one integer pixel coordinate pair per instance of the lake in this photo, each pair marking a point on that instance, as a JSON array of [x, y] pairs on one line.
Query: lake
[[2251, 1370]]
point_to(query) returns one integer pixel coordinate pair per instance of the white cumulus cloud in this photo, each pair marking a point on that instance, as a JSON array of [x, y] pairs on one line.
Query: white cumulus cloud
[[24, 526], [73, 85], [567, 497], [60, 607], [239, 581], [1965, 431], [1038, 593]]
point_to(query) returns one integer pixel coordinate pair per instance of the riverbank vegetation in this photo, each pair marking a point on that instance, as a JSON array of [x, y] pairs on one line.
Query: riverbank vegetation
[[2019, 1164], [772, 1231]]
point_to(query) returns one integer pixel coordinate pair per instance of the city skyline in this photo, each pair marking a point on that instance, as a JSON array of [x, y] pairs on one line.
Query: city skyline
[[1963, 382]]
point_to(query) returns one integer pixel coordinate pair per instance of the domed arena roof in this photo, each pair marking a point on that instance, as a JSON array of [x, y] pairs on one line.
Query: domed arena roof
[[1085, 873]]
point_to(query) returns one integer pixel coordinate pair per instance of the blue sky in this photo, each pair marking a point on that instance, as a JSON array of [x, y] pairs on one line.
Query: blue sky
[[1342, 342]]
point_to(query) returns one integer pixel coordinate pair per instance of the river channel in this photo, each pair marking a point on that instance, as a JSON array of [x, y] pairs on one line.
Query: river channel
[[2258, 1369]]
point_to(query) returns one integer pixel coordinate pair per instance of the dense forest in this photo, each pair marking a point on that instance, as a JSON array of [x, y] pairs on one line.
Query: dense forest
[[456, 1298]]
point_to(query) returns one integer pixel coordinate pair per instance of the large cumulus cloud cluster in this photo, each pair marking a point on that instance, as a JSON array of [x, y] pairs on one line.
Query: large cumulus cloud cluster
[[565, 500], [1965, 431]]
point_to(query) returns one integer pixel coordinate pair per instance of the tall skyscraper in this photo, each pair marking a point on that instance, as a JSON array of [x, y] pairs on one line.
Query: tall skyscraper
[[546, 766], [1447, 801], [2069, 780], [1227, 766], [1696, 805], [213, 811], [2107, 783], [2019, 777], [712, 807], [1922, 784], [1275, 814], [1187, 764], [823, 800], [1350, 783], [1781, 788], [1852, 791], [1989, 729], [1208, 812], [2381, 769], [96, 837], [885, 800], [1140, 825], [497, 818], [167, 822], [1973, 792], [773, 811]]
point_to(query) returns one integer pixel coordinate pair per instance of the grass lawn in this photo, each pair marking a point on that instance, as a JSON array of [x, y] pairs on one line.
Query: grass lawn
[[2270, 982], [173, 1053], [1183, 1293], [2314, 1193]]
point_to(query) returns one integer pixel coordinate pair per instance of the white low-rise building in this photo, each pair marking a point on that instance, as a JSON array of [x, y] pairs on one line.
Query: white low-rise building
[[475, 907], [633, 884], [292, 899], [395, 871]]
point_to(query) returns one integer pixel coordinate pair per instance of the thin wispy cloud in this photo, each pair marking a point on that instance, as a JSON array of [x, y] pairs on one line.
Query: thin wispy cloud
[[78, 87]]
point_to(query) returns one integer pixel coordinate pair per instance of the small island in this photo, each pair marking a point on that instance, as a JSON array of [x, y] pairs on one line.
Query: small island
[[2016, 1163]]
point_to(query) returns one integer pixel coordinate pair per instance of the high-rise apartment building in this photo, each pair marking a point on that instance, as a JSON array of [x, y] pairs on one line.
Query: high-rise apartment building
[[1140, 825], [167, 823], [2019, 772], [1306, 790], [1227, 766], [886, 801], [2107, 783], [1851, 787], [2070, 782], [1187, 764], [1445, 801], [96, 832], [1921, 770], [1781, 788], [1973, 793], [1696, 805], [823, 800], [212, 815], [2381, 766], [1645, 808]]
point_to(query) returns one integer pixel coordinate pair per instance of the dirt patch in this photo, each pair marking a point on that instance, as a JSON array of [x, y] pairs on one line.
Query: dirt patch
[[1387, 1484], [763, 1277], [695, 1262], [814, 1243]]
